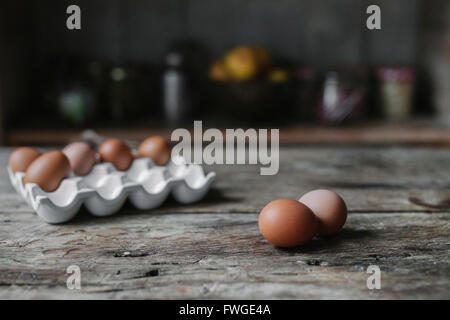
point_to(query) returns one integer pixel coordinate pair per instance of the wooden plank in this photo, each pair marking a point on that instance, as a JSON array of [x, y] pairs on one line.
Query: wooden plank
[[389, 179], [215, 256], [213, 249], [411, 133]]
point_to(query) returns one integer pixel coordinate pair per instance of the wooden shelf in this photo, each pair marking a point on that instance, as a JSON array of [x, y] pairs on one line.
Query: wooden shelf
[[411, 133]]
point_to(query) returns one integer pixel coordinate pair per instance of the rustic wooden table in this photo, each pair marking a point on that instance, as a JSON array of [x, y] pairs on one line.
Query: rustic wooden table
[[399, 202]]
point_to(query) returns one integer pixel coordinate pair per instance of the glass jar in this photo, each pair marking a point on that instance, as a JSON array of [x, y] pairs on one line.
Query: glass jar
[[343, 96], [396, 89]]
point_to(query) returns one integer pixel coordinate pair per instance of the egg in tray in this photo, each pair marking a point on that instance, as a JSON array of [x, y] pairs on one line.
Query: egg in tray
[[57, 183]]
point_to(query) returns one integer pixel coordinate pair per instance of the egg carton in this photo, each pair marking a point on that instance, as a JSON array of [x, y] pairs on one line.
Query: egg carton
[[104, 189]]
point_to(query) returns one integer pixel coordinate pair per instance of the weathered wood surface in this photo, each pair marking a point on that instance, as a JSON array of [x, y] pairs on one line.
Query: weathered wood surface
[[400, 221], [222, 256], [389, 179]]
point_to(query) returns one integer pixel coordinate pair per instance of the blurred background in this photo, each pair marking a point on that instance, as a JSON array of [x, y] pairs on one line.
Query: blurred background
[[309, 67]]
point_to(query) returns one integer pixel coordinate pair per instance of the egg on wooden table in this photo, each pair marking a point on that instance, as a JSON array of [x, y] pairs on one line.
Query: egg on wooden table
[[117, 152], [48, 170], [21, 158], [155, 148], [329, 208], [81, 157], [287, 223]]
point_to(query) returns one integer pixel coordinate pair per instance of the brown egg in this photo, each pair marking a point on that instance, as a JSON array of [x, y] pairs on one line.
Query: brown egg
[[155, 148], [117, 152], [48, 170], [81, 157], [21, 158], [287, 223], [329, 208]]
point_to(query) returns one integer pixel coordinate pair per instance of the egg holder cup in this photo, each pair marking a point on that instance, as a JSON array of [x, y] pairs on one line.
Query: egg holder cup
[[104, 190]]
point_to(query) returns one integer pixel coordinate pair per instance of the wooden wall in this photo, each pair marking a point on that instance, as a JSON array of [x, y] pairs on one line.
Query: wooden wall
[[312, 32], [15, 58], [434, 53], [309, 31]]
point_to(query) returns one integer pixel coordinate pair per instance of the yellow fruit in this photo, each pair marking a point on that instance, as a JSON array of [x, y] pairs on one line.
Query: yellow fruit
[[277, 75], [242, 63], [218, 71], [263, 56]]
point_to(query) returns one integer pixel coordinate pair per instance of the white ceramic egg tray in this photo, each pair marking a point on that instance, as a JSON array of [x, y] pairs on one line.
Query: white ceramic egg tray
[[105, 189]]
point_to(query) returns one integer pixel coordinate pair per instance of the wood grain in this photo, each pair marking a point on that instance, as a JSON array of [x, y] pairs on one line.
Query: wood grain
[[389, 179], [399, 220], [216, 256]]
